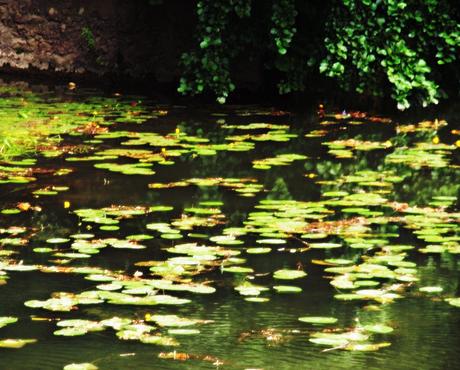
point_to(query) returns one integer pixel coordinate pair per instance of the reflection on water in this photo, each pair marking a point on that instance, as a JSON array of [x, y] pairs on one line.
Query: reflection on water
[[367, 207]]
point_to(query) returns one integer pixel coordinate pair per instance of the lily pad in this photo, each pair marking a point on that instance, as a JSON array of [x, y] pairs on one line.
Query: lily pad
[[5, 320], [318, 320], [71, 331], [453, 301], [257, 299], [366, 347], [238, 269], [57, 240], [183, 331], [258, 250], [15, 343], [81, 366], [287, 289], [431, 289], [378, 328], [289, 274]]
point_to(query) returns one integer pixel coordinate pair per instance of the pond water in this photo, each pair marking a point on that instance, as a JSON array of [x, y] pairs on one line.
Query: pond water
[[136, 235]]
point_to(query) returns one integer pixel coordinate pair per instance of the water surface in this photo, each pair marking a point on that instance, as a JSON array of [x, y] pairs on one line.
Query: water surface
[[365, 205]]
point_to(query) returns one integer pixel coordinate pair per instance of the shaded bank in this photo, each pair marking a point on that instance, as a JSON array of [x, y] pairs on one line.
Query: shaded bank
[[112, 38], [98, 37]]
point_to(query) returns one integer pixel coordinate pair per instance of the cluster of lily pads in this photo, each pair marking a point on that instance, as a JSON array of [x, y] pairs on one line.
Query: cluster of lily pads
[[422, 155], [351, 231], [245, 187], [35, 121], [279, 160], [344, 148], [172, 146]]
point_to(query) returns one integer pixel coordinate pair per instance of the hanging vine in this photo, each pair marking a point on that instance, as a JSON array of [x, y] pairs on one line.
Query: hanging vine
[[283, 18], [208, 67], [370, 46], [400, 41]]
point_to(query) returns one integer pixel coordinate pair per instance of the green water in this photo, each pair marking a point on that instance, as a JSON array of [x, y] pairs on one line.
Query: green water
[[366, 206]]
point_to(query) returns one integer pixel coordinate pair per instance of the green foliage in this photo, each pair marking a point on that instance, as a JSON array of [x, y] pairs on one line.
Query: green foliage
[[295, 50], [283, 18], [208, 67], [88, 36], [399, 41], [371, 47]]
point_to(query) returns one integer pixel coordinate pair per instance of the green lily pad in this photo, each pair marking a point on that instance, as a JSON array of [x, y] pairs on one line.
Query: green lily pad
[[318, 319], [10, 211], [289, 274], [287, 289], [249, 289], [82, 236], [81, 366], [71, 332], [226, 240], [171, 236], [99, 277], [43, 250], [431, 289], [258, 250], [238, 269], [5, 320], [339, 261], [366, 347], [57, 240], [453, 301], [109, 227], [378, 328], [271, 241], [15, 343], [183, 331], [314, 236], [257, 299], [138, 237], [324, 245]]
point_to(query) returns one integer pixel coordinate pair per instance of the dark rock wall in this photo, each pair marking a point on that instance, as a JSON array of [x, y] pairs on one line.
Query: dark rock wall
[[125, 37]]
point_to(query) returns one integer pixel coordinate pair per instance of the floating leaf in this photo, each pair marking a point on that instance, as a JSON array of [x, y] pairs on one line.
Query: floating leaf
[[183, 331], [57, 240], [431, 289], [324, 245], [271, 241], [71, 331], [289, 274], [287, 289], [366, 347], [378, 328], [15, 343], [318, 319], [5, 320], [238, 269], [81, 366], [453, 301], [257, 299], [258, 250]]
